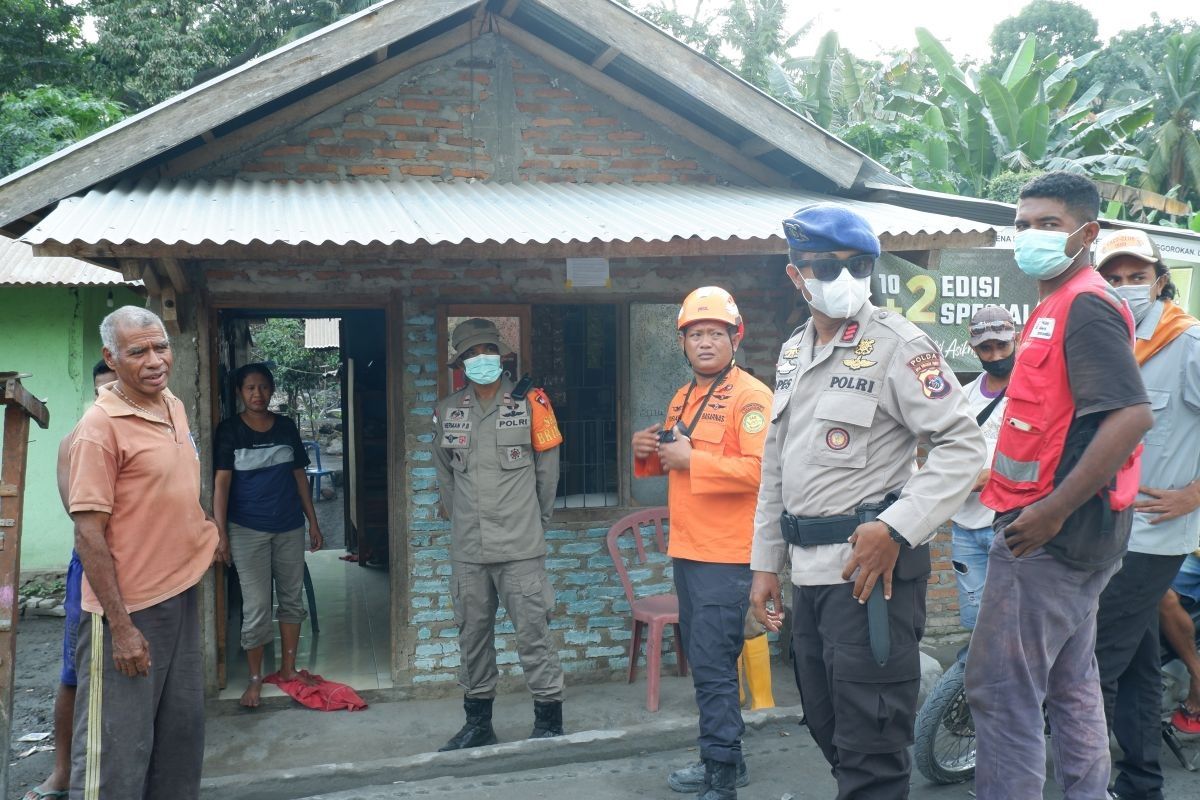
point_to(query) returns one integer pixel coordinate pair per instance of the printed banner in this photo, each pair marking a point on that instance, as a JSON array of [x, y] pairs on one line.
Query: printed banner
[[941, 301]]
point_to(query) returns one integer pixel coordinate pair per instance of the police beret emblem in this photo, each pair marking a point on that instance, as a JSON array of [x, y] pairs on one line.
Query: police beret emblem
[[793, 231]]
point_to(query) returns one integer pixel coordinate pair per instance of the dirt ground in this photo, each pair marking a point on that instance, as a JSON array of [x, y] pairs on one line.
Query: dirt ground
[[39, 660]]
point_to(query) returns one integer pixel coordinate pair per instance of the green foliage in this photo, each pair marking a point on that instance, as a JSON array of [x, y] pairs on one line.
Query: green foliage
[[40, 43], [304, 375], [149, 50], [698, 28], [1118, 66], [1173, 147], [1006, 187], [1067, 29], [37, 122]]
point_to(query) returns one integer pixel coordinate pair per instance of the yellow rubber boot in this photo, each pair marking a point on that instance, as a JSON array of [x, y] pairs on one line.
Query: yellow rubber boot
[[754, 667]]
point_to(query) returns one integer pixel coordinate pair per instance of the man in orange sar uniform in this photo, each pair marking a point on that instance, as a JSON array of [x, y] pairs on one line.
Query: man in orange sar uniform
[[711, 450]]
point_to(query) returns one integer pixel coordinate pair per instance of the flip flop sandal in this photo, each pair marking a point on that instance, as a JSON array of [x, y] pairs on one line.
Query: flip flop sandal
[[1186, 721], [38, 794]]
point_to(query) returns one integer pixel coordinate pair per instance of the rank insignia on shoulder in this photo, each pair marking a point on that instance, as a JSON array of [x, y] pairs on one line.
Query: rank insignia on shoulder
[[863, 349], [850, 332]]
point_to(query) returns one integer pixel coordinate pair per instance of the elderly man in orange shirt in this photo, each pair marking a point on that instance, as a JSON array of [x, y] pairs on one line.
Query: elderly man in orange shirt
[[711, 450], [145, 542]]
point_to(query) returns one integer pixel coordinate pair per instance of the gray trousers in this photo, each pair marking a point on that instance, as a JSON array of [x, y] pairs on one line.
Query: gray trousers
[[860, 714], [713, 599], [141, 737], [1035, 643], [477, 590], [259, 558]]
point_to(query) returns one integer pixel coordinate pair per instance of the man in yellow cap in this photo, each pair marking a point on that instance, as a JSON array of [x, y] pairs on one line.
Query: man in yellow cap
[[711, 451], [1166, 519], [497, 469]]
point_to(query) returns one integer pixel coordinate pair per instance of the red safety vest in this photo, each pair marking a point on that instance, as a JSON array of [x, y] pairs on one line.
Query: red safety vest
[[1040, 407]]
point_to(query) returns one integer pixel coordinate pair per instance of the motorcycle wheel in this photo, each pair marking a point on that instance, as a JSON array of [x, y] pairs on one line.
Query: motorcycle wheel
[[944, 750]]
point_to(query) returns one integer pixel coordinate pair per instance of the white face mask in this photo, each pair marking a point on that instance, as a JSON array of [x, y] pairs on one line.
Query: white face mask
[[839, 298], [1138, 297]]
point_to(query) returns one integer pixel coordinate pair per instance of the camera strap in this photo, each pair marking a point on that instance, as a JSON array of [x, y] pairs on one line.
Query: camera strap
[[687, 430]]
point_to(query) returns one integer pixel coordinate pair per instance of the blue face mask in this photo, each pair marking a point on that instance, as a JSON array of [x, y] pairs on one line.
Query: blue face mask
[[1042, 254], [483, 369]]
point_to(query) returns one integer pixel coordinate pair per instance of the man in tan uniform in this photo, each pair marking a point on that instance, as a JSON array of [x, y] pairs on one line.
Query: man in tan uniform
[[857, 389], [497, 468]]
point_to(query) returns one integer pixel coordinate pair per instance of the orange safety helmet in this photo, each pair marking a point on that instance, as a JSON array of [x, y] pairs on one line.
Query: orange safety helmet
[[711, 303]]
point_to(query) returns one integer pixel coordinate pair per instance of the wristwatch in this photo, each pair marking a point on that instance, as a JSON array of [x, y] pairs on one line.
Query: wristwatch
[[896, 537]]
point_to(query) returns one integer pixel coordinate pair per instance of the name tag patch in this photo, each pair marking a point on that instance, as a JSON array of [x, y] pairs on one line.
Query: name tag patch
[[1043, 329], [464, 427]]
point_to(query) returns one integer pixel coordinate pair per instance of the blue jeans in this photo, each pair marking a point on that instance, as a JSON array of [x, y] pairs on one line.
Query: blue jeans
[[969, 554]]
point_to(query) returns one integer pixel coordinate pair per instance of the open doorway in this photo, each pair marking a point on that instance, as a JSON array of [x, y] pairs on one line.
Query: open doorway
[[331, 380]]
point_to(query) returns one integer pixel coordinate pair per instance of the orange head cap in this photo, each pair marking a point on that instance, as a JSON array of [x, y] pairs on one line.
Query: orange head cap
[[710, 303]]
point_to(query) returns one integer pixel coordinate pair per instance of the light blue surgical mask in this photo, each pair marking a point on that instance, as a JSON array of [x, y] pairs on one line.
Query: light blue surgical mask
[[1138, 297], [483, 369], [1042, 254]]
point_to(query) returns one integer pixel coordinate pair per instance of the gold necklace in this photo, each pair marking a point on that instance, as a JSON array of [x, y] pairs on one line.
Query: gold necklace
[[143, 409]]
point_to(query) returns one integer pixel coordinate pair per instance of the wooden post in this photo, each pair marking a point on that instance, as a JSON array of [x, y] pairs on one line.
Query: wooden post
[[19, 406]]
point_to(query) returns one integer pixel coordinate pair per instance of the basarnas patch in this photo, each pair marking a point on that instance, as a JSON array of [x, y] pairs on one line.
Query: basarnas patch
[[928, 369]]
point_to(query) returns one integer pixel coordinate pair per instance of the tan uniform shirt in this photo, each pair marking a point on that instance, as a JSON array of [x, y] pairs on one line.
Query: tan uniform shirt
[[497, 491], [846, 420]]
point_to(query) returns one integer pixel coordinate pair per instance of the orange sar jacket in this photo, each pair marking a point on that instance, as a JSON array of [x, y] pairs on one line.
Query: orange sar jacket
[[712, 504]]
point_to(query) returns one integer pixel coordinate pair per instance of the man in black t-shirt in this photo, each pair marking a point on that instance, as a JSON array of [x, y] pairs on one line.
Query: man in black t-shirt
[[1061, 480]]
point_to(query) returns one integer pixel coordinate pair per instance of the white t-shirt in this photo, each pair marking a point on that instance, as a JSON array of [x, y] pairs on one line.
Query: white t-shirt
[[973, 513]]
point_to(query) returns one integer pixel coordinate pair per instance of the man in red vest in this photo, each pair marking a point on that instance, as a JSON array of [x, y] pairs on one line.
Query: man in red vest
[[1063, 482]]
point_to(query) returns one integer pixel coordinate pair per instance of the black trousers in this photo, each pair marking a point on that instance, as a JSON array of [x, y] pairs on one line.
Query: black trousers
[[1128, 655], [860, 714], [713, 600]]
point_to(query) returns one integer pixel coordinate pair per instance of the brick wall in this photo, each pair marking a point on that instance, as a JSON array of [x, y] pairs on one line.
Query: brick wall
[[591, 620], [488, 111]]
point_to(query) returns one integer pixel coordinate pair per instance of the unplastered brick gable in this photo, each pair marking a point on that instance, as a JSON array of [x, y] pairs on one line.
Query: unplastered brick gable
[[487, 111]]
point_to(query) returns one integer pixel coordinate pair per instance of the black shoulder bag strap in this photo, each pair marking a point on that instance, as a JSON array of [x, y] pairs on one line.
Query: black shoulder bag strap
[[982, 416]]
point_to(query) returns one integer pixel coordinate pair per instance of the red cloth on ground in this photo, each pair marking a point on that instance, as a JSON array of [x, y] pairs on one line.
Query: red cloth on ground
[[323, 696]]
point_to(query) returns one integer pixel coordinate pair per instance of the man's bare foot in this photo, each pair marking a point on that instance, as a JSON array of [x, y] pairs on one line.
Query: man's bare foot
[[297, 675], [250, 697]]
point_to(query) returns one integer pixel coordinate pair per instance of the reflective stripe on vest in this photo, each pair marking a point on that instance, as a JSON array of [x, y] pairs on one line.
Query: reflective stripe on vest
[[1014, 470]]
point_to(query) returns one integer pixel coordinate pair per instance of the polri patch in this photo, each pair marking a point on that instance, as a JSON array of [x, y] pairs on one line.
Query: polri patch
[[928, 369], [837, 439], [754, 422], [852, 384]]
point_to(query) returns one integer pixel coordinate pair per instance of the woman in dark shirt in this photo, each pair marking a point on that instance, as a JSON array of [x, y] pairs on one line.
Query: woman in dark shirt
[[260, 500]]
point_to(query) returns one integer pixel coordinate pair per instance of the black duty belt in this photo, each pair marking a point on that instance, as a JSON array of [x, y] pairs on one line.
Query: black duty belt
[[814, 531]]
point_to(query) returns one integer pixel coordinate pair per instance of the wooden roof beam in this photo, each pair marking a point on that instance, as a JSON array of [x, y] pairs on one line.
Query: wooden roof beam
[[604, 59], [756, 147]]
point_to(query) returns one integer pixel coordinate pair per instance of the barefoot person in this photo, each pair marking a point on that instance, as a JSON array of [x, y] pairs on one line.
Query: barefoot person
[[58, 783], [145, 542], [260, 501]]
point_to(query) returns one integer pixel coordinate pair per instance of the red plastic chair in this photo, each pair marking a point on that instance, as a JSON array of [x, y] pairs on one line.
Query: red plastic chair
[[655, 611]]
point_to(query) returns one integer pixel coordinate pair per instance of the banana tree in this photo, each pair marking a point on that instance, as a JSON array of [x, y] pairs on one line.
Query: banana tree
[[1173, 149], [1025, 119]]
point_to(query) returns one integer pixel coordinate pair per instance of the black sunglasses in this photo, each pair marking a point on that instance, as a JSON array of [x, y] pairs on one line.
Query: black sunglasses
[[827, 269], [994, 325]]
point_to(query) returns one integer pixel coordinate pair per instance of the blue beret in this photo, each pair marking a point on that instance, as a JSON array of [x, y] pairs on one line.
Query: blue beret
[[825, 227]]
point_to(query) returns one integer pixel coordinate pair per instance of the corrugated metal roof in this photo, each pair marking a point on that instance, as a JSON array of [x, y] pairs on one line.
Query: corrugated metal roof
[[322, 333], [20, 267], [412, 212]]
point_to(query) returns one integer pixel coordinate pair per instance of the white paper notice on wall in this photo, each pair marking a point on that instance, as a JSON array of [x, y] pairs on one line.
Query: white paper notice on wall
[[585, 272]]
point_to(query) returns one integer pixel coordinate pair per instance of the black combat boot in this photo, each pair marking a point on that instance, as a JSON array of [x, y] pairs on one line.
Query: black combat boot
[[720, 780], [547, 719], [690, 779], [478, 729]]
